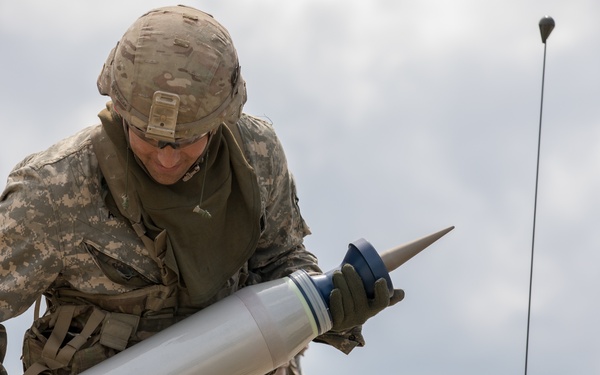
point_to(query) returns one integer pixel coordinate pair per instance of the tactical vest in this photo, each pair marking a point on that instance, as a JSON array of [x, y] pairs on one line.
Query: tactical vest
[[80, 329]]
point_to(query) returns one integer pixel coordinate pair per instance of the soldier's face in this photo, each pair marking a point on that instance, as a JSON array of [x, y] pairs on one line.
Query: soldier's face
[[166, 165]]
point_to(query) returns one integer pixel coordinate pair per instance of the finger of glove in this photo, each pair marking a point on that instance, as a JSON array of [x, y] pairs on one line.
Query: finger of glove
[[381, 299], [340, 283], [356, 286], [336, 309], [397, 296]]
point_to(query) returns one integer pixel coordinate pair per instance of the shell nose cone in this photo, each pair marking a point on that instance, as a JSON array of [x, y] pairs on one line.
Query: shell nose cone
[[397, 256]]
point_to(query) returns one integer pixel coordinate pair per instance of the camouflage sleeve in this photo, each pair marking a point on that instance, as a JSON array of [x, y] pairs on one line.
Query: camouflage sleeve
[[29, 260], [281, 250]]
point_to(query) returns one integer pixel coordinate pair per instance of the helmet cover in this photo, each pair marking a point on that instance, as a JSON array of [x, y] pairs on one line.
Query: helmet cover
[[174, 74]]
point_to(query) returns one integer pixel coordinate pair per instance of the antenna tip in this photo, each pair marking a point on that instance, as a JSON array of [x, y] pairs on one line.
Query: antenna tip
[[546, 26]]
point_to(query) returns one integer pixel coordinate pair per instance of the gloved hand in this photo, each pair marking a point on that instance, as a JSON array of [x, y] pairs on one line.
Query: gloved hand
[[348, 301], [3, 345]]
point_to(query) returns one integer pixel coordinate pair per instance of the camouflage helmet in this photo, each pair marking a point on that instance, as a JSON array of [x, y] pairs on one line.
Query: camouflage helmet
[[174, 74]]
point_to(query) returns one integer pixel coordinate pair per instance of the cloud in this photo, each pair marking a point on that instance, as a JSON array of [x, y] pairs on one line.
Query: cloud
[[399, 119]]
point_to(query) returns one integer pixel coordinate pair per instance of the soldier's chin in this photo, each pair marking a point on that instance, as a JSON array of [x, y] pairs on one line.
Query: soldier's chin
[[165, 178]]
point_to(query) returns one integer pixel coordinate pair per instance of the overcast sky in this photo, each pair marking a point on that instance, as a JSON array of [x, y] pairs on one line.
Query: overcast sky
[[399, 118]]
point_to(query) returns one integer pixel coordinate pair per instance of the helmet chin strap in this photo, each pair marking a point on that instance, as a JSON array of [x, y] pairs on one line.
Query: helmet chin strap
[[195, 168], [192, 171], [198, 209]]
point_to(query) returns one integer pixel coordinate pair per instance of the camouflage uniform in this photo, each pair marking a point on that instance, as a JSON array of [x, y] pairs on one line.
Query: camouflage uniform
[[60, 238], [77, 221]]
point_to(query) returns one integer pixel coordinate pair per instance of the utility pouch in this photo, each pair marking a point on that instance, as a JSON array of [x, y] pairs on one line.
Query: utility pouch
[[3, 345], [74, 338], [117, 329]]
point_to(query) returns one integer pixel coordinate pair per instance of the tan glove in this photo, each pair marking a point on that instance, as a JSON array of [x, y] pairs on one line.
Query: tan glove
[[3, 345], [348, 301]]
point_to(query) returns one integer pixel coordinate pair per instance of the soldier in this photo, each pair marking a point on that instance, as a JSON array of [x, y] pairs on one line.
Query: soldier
[[174, 201]]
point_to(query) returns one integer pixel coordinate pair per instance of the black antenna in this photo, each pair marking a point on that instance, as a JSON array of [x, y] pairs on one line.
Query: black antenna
[[546, 26]]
